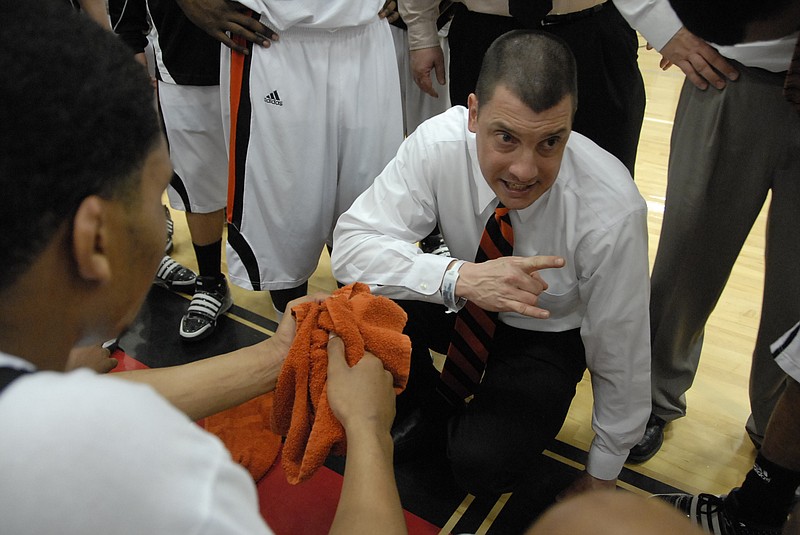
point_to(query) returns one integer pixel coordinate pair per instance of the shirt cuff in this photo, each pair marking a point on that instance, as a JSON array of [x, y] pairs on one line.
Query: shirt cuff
[[654, 19], [423, 34], [603, 465], [659, 25], [426, 275], [786, 351]]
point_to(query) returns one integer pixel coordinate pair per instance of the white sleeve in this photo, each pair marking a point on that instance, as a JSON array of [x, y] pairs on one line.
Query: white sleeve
[[232, 502], [654, 19], [375, 240], [616, 335], [786, 351], [420, 18], [116, 458]]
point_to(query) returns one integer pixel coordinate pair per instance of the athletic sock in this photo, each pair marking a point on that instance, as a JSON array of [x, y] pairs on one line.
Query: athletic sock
[[766, 494], [209, 259], [281, 298]]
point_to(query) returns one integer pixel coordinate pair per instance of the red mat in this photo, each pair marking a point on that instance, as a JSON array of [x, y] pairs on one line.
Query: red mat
[[309, 507]]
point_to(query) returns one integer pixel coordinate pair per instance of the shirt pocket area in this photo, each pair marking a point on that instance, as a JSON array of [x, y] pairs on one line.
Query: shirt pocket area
[[560, 301]]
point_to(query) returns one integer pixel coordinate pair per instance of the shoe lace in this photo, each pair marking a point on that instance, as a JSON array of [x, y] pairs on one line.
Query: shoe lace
[[709, 513], [708, 504], [712, 514], [206, 304]]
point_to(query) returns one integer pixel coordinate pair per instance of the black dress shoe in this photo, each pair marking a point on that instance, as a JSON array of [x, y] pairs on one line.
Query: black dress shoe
[[651, 441], [418, 434]]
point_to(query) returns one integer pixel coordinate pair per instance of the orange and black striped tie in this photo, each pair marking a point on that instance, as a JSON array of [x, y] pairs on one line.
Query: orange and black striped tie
[[474, 328]]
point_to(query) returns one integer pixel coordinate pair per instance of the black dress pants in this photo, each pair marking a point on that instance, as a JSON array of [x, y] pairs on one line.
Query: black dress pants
[[611, 98], [495, 440]]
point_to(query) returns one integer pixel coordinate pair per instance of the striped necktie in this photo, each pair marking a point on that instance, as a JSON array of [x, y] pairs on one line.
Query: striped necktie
[[474, 328]]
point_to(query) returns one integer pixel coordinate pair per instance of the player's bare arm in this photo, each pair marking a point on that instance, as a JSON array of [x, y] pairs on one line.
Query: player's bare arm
[[389, 11], [223, 19]]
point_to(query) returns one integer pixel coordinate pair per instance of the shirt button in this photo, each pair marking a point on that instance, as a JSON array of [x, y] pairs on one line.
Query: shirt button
[[424, 286]]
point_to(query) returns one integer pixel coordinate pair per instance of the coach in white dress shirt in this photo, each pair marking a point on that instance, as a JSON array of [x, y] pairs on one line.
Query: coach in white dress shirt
[[584, 304]]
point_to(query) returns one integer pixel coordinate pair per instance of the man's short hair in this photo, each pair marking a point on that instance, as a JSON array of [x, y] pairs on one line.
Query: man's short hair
[[537, 67], [723, 21], [77, 118]]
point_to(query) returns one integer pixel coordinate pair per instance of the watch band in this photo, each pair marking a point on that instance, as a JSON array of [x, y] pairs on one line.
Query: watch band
[[448, 289]]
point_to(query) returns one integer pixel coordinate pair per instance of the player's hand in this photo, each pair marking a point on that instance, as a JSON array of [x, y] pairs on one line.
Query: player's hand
[[95, 357], [389, 11], [360, 397], [423, 61], [701, 62], [586, 483], [507, 284], [284, 334], [217, 17]]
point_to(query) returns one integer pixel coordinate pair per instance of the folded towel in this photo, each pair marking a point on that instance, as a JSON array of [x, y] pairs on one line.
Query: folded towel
[[245, 431], [301, 411]]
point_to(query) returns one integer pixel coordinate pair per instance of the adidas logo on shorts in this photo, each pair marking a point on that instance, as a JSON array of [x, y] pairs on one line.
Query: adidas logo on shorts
[[273, 98]]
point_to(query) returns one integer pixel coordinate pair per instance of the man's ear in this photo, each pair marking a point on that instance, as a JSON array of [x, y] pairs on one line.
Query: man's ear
[[90, 240], [472, 104]]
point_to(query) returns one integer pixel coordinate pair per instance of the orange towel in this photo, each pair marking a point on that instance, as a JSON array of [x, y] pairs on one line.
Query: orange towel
[[245, 431], [301, 411]]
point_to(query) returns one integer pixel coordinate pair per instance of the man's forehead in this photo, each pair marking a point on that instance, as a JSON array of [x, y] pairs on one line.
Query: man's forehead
[[509, 113]]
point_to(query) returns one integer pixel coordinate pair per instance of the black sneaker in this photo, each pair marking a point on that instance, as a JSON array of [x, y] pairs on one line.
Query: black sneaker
[[212, 298], [112, 345], [170, 231], [434, 244], [715, 514], [651, 441], [173, 276]]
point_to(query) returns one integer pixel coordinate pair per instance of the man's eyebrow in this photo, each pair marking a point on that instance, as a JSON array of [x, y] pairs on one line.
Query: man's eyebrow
[[499, 124], [559, 132]]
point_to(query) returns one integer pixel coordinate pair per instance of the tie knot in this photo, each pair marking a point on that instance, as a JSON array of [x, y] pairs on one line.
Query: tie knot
[[498, 236]]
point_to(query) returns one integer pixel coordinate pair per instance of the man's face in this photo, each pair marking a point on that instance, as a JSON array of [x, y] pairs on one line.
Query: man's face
[[141, 234], [519, 150]]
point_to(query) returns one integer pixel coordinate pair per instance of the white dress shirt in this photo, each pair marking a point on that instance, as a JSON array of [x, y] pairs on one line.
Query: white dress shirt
[[658, 23], [593, 216]]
